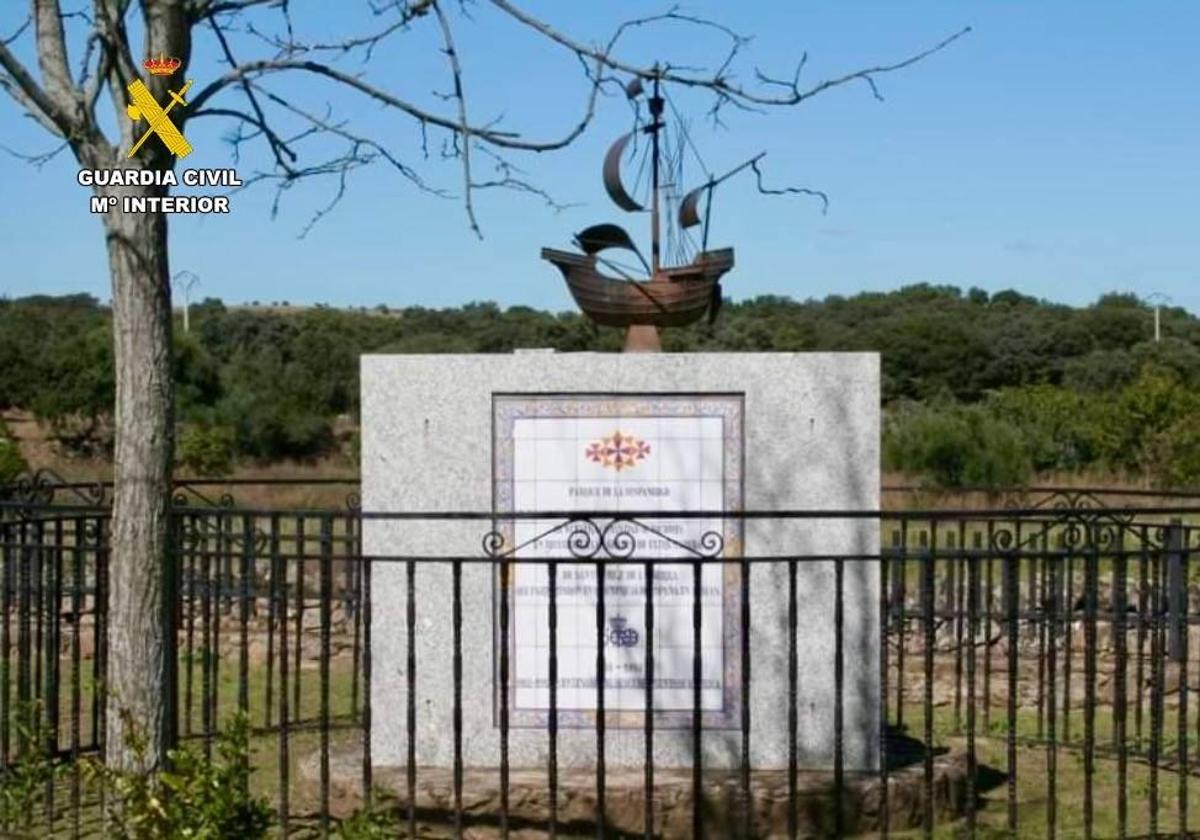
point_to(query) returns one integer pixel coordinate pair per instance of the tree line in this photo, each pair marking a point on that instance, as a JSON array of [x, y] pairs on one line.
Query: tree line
[[978, 388]]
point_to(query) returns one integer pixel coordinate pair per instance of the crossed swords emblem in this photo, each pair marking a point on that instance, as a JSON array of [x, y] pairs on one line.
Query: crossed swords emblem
[[145, 107]]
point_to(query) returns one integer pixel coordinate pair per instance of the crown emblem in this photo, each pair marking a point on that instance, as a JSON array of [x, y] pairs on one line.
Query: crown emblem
[[162, 66], [618, 451]]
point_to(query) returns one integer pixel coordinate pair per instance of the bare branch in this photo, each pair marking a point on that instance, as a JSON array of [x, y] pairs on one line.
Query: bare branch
[[278, 149], [117, 67], [52, 55], [719, 83], [18, 33], [201, 9], [464, 125], [509, 140], [786, 190], [27, 93], [511, 179], [360, 151], [39, 159], [368, 43]]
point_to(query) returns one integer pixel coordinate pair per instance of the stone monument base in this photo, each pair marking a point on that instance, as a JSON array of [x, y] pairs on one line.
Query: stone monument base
[[529, 801], [604, 435]]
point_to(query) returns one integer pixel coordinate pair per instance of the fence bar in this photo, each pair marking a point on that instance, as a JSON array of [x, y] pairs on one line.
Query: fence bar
[[24, 636], [189, 540], [884, 617], [1120, 694], [410, 673], [224, 547], [987, 622], [365, 608], [244, 614], [747, 800], [6, 588], [793, 827], [301, 553], [928, 568], [77, 553], [1053, 602], [274, 588], [37, 710], [901, 601], [1038, 607], [972, 570], [1143, 618], [648, 705], [552, 727], [697, 720], [284, 712], [207, 708], [326, 653], [505, 635], [1069, 643], [1091, 575], [352, 602], [53, 662], [1156, 657], [839, 758], [456, 594], [1180, 556], [100, 662], [1011, 596], [601, 723], [958, 569]]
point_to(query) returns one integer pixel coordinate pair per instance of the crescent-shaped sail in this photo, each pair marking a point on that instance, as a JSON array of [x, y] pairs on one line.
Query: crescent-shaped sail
[[689, 208], [612, 176], [596, 238]]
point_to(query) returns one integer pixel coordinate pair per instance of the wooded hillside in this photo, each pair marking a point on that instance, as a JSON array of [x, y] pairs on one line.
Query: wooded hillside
[[979, 388]]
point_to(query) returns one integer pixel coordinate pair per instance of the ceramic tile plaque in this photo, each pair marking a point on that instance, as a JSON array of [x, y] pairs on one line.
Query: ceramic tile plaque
[[600, 453]]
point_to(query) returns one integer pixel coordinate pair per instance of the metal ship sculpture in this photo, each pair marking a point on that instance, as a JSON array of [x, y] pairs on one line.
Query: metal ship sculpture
[[654, 293]]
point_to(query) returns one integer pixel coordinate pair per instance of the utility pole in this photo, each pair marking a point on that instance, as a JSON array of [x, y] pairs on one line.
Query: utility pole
[[1157, 299], [185, 281]]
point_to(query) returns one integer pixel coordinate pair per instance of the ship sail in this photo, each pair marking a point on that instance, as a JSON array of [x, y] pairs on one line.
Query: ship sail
[[689, 208], [598, 237], [612, 176]]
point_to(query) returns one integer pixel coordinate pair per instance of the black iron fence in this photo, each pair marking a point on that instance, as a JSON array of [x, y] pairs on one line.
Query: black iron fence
[[1030, 670]]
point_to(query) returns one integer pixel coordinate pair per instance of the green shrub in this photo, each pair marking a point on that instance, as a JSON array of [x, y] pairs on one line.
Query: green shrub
[[207, 450], [194, 798], [1171, 460], [22, 792], [1140, 424], [1062, 429], [955, 446], [12, 462], [377, 820]]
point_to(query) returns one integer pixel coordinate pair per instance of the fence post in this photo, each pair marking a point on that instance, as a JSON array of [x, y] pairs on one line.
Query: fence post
[[1177, 600]]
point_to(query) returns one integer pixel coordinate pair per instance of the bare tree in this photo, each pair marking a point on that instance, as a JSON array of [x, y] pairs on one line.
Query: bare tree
[[259, 41]]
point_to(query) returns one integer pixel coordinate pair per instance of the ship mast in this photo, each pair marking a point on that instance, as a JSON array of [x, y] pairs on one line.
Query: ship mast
[[656, 109]]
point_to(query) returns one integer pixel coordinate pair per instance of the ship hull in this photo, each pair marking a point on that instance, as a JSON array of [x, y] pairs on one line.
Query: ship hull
[[678, 296]]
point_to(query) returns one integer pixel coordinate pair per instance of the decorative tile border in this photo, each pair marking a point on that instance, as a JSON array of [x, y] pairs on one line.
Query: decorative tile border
[[729, 408]]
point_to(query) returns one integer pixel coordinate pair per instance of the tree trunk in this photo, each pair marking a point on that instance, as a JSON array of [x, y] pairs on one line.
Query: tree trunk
[[142, 578]]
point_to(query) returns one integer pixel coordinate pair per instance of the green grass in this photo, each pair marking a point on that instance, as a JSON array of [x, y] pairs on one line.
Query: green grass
[[1032, 789]]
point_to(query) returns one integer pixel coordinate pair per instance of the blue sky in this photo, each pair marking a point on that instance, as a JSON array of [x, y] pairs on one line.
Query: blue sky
[[1053, 150]]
